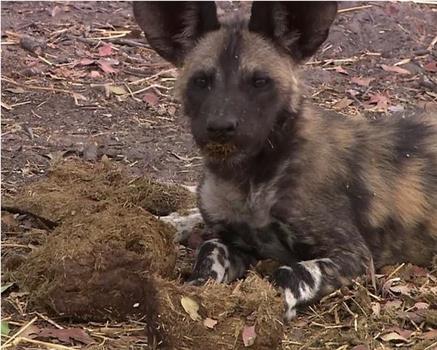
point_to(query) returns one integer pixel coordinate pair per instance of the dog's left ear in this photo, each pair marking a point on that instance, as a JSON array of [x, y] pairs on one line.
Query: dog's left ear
[[172, 28], [299, 27]]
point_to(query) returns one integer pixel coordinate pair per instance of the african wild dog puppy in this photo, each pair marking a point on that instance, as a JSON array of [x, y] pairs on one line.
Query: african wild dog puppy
[[320, 193]]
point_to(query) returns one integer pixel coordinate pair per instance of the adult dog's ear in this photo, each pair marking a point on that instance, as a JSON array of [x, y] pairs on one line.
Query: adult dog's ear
[[173, 27], [299, 27]]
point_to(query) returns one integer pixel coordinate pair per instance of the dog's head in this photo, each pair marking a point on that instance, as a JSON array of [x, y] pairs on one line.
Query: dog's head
[[238, 81]]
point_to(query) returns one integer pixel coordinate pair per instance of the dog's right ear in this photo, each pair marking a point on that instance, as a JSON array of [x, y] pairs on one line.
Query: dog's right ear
[[299, 27], [172, 28]]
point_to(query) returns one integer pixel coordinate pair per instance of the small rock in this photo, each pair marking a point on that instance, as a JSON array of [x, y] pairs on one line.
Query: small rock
[[32, 44]]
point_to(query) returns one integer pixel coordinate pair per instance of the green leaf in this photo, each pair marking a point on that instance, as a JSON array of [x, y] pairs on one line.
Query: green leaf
[[6, 286], [4, 328]]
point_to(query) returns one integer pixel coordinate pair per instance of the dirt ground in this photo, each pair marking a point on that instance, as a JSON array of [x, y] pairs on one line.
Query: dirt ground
[[78, 79]]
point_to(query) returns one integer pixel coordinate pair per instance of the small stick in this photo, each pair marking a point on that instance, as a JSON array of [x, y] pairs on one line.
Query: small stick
[[45, 60], [404, 61], [108, 37], [6, 106], [42, 343], [154, 76], [431, 346], [329, 61], [45, 318], [433, 42], [372, 273], [130, 92], [14, 245], [395, 271], [356, 8], [154, 86], [20, 104], [40, 87], [129, 42]]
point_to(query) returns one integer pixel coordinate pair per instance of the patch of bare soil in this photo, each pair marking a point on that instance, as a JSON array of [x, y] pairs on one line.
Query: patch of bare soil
[[79, 80]]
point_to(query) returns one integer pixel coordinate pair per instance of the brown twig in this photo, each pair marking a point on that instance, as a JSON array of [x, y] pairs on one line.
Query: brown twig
[[356, 8], [433, 42], [43, 88]]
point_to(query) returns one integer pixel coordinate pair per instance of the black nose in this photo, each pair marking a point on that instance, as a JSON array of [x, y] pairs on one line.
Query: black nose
[[221, 128]]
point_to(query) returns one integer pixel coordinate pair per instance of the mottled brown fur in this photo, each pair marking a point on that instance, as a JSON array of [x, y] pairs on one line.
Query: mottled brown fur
[[321, 193]]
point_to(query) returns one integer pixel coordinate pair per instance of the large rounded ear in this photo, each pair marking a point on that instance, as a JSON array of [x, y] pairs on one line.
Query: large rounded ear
[[173, 27], [300, 27]]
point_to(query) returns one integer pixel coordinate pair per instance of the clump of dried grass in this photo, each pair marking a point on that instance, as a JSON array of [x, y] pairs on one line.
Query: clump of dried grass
[[246, 303], [219, 150], [75, 188], [94, 266]]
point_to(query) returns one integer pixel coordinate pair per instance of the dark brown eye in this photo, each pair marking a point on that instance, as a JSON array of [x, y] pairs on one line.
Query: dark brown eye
[[260, 82], [201, 82]]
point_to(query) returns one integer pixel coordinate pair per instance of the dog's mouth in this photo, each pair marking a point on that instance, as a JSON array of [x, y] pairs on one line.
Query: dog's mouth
[[219, 151]]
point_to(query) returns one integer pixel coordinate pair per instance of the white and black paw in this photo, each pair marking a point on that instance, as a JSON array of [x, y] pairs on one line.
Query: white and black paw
[[299, 284], [212, 263]]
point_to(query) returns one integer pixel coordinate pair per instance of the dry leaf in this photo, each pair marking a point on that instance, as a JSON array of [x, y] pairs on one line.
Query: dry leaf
[[402, 332], [393, 336], [95, 74], [105, 50], [393, 304], [376, 309], [343, 103], [406, 290], [430, 334], [421, 305], [248, 335], [418, 271], [431, 66], [106, 67], [340, 69], [397, 108], [360, 347], [151, 99], [380, 100], [362, 81], [411, 315], [191, 307], [66, 335], [117, 90], [86, 61], [395, 69], [16, 90], [209, 323]]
